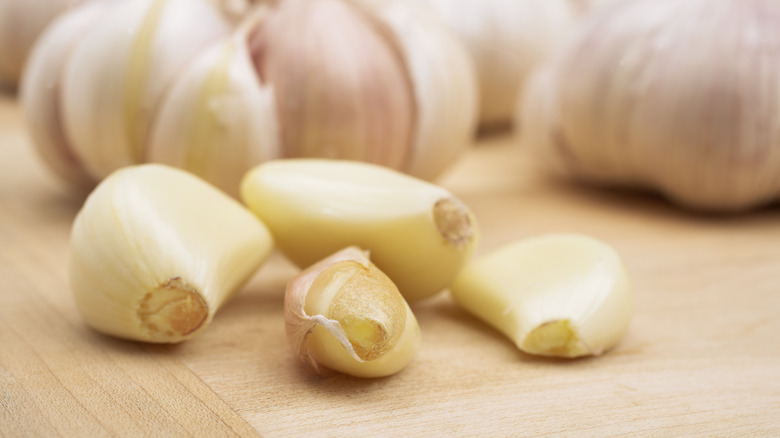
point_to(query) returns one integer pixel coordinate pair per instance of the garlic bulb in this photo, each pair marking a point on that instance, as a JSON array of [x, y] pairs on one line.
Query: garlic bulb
[[322, 78], [564, 295], [343, 314], [21, 23], [507, 39], [679, 97], [418, 233], [114, 73], [155, 251]]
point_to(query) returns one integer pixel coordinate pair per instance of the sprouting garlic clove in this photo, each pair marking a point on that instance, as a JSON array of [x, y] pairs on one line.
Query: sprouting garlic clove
[[341, 88], [116, 76], [40, 93], [343, 314], [695, 121], [418, 233], [155, 252], [561, 295], [217, 120]]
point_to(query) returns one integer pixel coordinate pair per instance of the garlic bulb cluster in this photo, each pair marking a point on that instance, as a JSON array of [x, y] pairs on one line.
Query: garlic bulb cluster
[[675, 96], [507, 40], [349, 79], [21, 23]]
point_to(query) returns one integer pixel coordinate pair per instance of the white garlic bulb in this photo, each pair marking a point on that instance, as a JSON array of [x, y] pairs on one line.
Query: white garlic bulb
[[111, 75], [507, 39], [21, 23], [675, 96], [384, 85]]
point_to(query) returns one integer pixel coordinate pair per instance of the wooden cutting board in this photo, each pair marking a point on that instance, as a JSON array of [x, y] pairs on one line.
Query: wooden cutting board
[[702, 356]]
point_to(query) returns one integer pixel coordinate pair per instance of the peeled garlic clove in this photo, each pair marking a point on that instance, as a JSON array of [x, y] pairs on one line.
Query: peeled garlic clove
[[563, 295], [155, 251], [21, 23], [419, 234], [344, 314], [629, 105], [41, 87], [115, 77], [218, 120]]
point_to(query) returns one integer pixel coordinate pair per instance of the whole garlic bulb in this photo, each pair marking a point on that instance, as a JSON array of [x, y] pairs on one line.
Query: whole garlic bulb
[[96, 86], [381, 83], [676, 96], [507, 39], [21, 23]]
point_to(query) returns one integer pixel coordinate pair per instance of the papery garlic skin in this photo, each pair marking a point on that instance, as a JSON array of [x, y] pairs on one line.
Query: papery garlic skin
[[417, 233], [678, 97], [21, 23], [507, 40], [343, 314], [218, 120], [41, 88], [562, 295], [156, 251], [116, 76]]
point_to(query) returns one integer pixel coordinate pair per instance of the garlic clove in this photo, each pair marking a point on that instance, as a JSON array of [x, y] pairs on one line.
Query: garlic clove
[[445, 88], [418, 233], [562, 295], [41, 87], [344, 314], [218, 120], [142, 265], [115, 78], [341, 90]]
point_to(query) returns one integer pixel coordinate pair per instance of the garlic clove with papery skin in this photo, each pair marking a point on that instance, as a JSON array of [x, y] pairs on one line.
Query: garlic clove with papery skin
[[116, 76], [344, 314], [559, 295], [218, 120], [418, 233], [676, 97], [156, 251]]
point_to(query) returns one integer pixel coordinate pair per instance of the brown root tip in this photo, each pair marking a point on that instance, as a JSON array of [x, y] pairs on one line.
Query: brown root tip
[[172, 311], [453, 221]]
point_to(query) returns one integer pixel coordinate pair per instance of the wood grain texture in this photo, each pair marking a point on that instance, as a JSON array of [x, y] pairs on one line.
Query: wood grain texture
[[702, 357]]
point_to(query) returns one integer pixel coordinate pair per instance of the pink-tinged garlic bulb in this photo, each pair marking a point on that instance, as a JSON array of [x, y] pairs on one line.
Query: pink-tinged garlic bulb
[[376, 82], [678, 96]]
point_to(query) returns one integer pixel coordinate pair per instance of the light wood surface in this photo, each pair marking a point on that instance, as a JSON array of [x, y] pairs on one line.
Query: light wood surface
[[701, 358]]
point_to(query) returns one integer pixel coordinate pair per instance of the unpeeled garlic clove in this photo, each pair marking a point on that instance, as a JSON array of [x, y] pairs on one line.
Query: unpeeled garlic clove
[[625, 103], [218, 119], [116, 76], [155, 252], [418, 233], [563, 295], [344, 314]]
